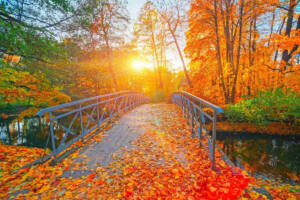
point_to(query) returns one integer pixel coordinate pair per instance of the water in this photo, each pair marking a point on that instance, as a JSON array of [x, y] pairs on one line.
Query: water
[[35, 132], [32, 132], [272, 157]]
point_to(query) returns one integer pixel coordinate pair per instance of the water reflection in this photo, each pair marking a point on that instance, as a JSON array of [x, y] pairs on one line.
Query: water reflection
[[270, 156], [30, 132], [35, 132]]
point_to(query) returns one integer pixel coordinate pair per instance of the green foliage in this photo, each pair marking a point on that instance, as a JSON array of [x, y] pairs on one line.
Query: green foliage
[[32, 30], [266, 107], [19, 90], [12, 107]]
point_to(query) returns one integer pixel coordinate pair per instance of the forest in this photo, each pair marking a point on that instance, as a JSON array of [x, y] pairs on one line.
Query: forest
[[242, 55], [234, 53]]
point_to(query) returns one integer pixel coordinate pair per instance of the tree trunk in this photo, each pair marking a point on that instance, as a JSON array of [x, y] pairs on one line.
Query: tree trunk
[[272, 26], [155, 69], [182, 60], [8, 134], [236, 71], [279, 32], [289, 24], [220, 70], [157, 62], [289, 55], [110, 67]]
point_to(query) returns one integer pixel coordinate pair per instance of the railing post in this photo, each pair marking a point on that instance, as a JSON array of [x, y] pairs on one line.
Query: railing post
[[52, 135], [200, 124], [128, 102], [113, 108], [121, 104], [183, 105], [193, 117], [81, 121], [188, 111], [214, 139], [98, 111]]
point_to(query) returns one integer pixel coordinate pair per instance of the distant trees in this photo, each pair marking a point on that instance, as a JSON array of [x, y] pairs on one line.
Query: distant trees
[[158, 27], [108, 28], [174, 15], [149, 32]]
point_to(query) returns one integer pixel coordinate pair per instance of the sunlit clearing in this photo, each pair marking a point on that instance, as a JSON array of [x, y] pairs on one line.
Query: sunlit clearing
[[138, 65]]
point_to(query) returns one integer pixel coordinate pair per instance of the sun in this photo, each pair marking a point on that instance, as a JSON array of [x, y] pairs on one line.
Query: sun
[[138, 65]]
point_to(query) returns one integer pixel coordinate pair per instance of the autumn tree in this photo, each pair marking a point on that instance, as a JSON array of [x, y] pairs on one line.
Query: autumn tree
[[28, 28], [173, 14], [107, 30], [29, 49], [147, 32], [33, 90], [286, 40]]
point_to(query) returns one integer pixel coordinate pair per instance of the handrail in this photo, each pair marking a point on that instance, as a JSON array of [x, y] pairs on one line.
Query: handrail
[[192, 107], [71, 121], [201, 101], [45, 110]]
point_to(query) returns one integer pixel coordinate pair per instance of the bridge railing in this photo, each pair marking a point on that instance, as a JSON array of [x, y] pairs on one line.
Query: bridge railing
[[199, 114], [71, 121]]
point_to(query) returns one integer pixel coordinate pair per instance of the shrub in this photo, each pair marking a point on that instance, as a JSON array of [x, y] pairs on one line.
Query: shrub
[[266, 107]]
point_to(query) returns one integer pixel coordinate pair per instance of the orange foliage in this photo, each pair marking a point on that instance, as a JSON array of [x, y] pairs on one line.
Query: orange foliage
[[33, 89], [249, 61], [11, 58]]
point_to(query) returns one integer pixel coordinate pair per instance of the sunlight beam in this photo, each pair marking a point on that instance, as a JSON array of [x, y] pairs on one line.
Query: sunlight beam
[[138, 65]]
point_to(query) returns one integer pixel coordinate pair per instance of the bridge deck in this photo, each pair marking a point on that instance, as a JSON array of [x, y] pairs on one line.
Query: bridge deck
[[149, 152], [100, 152], [110, 145]]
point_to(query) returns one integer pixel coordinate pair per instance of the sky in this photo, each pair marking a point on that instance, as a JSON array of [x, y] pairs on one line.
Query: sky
[[134, 7]]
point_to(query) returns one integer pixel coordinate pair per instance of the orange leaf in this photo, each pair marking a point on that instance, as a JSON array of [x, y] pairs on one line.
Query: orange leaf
[[90, 177]]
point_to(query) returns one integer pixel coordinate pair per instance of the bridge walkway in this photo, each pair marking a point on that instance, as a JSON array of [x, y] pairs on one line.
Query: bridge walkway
[[135, 126], [148, 153]]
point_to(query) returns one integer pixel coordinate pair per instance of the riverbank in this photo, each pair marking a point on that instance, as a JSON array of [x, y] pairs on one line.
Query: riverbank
[[262, 189], [274, 128]]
